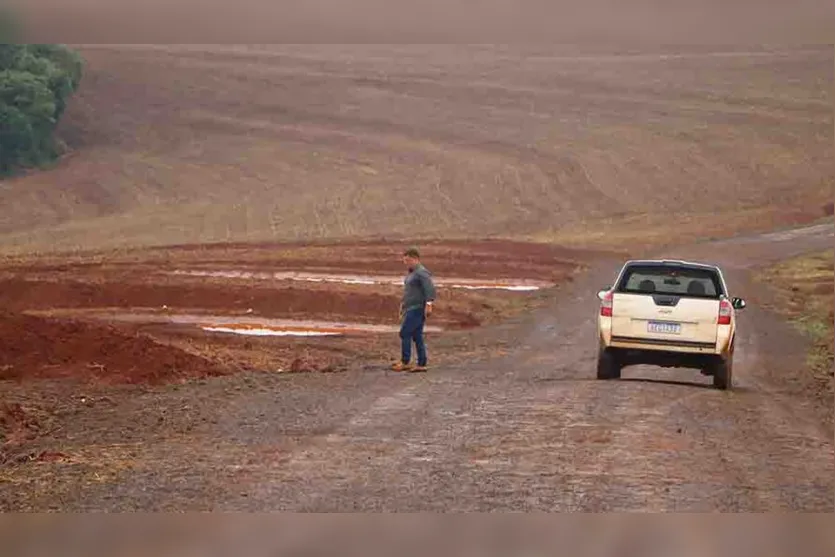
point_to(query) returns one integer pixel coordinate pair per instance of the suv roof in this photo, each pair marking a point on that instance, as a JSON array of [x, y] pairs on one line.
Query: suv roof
[[671, 263]]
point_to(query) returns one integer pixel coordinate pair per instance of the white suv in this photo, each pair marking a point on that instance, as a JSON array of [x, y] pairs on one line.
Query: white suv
[[669, 314]]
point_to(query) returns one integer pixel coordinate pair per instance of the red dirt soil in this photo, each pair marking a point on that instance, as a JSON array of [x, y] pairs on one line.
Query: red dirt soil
[[137, 279], [41, 295], [24, 294], [478, 259], [31, 347], [291, 301]]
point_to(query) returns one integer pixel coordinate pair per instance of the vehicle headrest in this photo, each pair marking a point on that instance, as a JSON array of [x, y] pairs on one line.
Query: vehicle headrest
[[696, 288], [646, 285]]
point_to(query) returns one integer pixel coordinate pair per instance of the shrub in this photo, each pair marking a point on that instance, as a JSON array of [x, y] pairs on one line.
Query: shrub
[[36, 82]]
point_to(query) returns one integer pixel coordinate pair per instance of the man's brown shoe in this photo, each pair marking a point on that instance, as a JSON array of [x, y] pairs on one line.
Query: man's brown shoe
[[400, 366], [418, 369]]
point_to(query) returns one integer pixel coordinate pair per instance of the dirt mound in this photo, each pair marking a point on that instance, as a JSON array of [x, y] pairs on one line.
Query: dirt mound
[[31, 347]]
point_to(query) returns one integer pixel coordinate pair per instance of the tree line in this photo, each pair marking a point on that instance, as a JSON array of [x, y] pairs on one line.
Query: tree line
[[36, 82]]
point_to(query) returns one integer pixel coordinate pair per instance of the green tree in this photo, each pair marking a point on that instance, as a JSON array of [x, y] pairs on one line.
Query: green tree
[[36, 82], [16, 139], [64, 74]]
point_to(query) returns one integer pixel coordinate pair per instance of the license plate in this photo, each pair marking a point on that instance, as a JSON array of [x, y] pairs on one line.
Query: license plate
[[664, 328]]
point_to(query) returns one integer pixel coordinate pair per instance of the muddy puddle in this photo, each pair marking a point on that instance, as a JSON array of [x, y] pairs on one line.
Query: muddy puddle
[[512, 285], [270, 332], [286, 327], [239, 325]]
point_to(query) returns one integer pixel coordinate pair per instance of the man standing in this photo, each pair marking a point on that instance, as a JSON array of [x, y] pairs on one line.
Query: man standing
[[416, 306]]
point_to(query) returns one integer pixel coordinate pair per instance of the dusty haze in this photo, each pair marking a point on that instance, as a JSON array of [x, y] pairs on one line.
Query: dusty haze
[[648, 22]]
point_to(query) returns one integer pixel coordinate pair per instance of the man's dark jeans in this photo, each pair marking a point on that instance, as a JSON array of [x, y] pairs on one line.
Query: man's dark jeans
[[411, 330]]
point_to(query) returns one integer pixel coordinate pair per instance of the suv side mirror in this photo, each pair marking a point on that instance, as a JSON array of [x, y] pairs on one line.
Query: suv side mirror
[[738, 303]]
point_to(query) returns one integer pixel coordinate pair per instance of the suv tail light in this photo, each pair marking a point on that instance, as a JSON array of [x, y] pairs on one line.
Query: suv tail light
[[606, 305], [725, 311]]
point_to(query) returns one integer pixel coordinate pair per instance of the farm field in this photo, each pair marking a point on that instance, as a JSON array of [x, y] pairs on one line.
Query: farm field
[[198, 303]]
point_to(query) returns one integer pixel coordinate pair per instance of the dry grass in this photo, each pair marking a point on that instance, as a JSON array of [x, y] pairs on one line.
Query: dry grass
[[185, 144], [806, 297], [52, 478]]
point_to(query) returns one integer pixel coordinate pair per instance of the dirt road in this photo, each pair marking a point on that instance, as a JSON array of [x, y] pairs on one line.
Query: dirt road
[[530, 429]]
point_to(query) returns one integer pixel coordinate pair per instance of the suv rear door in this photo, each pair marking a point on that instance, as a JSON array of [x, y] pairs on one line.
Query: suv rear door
[[667, 303]]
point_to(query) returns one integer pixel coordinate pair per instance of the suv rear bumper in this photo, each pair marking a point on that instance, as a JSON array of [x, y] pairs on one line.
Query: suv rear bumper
[[721, 347], [666, 353], [651, 344], [665, 358]]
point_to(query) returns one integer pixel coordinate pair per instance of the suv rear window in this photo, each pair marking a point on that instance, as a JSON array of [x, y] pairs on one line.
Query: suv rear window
[[671, 280]]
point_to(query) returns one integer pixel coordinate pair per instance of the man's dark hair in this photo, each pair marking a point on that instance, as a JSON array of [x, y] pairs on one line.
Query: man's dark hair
[[412, 252]]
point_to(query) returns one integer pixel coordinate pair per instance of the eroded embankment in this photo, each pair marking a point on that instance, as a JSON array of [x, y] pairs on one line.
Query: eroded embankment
[[257, 306]]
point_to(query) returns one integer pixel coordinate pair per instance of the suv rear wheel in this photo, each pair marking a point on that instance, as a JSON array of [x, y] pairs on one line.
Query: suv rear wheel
[[608, 365], [723, 373]]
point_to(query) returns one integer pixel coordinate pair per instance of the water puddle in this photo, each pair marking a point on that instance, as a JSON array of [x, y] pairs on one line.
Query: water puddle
[[239, 325], [270, 332], [512, 285], [285, 327]]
